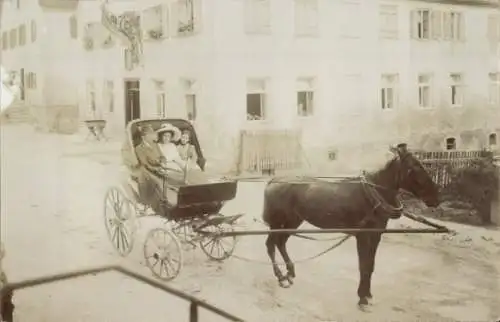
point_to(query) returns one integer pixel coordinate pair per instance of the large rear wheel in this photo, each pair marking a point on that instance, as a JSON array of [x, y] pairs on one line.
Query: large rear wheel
[[119, 220], [163, 253]]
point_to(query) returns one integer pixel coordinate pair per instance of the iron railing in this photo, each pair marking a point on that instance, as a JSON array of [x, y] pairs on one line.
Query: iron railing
[[193, 309]]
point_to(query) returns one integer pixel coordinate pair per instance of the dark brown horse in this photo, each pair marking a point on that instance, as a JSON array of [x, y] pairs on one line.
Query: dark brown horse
[[367, 202]]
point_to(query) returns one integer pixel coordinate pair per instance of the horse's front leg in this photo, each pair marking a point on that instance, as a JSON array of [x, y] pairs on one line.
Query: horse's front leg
[[363, 247], [271, 243], [374, 243]]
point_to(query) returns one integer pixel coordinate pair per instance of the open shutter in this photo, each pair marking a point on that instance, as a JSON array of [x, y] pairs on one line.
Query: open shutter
[[174, 19], [198, 15], [447, 25], [166, 20], [414, 18], [461, 27], [437, 24]]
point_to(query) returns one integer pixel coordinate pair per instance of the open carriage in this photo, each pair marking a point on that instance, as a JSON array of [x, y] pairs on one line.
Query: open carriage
[[185, 209]]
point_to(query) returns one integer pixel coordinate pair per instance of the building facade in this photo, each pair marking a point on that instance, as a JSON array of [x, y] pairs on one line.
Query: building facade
[[345, 73], [36, 42]]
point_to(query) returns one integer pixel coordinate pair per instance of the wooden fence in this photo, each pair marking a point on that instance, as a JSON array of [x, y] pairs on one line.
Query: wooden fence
[[441, 164], [267, 151]]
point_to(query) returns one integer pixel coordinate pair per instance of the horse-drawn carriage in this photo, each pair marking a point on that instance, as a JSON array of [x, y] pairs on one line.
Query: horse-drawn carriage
[[186, 208]]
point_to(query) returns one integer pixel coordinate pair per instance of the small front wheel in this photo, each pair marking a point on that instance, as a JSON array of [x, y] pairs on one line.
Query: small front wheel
[[163, 254], [216, 247]]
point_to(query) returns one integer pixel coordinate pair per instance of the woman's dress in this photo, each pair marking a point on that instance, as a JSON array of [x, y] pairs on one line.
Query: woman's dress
[[179, 170]]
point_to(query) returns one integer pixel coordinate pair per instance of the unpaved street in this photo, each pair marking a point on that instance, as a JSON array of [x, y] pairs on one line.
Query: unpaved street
[[52, 203]]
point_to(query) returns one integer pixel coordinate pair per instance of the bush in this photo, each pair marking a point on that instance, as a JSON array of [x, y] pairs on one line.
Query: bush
[[476, 184]]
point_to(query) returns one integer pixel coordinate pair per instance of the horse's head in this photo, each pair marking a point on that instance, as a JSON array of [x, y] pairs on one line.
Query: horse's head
[[414, 178]]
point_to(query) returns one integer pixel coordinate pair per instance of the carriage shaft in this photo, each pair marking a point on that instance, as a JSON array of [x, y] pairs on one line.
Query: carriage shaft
[[329, 231]]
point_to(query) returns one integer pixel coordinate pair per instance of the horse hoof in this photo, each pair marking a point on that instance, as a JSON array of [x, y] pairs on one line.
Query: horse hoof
[[285, 283], [290, 279], [364, 307]]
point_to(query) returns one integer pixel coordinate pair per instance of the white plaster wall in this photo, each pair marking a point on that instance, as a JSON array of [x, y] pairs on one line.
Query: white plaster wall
[[282, 58]]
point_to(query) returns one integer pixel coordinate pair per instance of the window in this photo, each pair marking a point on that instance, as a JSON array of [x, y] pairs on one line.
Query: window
[[494, 89], [109, 95], [426, 24], [305, 97], [421, 21], [153, 23], [257, 16], [91, 96], [190, 99], [451, 144], [256, 99], [388, 92], [160, 95], [127, 59], [424, 90], [388, 17], [492, 140], [5, 40], [457, 89], [31, 81], [22, 35], [13, 38], [493, 30], [453, 26], [33, 30], [350, 24], [306, 17], [73, 27], [189, 16]]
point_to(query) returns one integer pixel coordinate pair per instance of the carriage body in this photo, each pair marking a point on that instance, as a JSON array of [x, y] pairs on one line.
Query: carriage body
[[182, 200], [184, 206]]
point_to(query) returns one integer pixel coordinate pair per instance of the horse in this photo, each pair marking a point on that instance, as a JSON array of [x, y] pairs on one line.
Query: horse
[[367, 202]]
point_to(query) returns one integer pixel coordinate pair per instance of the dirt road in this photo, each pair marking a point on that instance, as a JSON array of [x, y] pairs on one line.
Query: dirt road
[[52, 195]]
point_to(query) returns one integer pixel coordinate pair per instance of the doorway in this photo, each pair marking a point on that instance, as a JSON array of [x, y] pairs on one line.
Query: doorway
[[132, 100]]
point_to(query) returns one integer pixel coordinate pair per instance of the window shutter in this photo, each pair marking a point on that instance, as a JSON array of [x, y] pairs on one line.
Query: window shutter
[[166, 20], [198, 15], [437, 24], [248, 13], [174, 19], [414, 18], [447, 25], [461, 27]]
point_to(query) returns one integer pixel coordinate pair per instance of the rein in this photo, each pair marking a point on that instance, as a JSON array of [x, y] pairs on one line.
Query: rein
[[380, 202]]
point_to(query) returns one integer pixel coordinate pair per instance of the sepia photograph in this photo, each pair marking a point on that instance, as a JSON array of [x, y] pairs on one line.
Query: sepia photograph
[[250, 160]]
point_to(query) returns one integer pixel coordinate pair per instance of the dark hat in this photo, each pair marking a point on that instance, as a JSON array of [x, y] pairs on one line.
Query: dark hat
[[146, 129]]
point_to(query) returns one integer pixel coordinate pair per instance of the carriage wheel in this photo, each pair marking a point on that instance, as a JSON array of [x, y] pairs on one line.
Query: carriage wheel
[[163, 254], [119, 220], [215, 247]]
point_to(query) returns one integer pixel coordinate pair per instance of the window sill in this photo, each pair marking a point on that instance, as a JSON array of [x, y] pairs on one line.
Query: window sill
[[306, 35], [258, 33]]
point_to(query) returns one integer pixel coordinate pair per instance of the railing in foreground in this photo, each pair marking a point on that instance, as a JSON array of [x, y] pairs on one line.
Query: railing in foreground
[[193, 310]]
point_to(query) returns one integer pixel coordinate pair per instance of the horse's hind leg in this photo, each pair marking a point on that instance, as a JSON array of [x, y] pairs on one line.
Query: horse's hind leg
[[271, 243], [290, 267]]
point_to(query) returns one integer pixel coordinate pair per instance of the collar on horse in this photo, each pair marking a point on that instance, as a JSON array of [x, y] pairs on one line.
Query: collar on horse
[[379, 201]]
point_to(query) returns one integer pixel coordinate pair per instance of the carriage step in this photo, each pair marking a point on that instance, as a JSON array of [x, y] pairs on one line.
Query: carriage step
[[215, 221]]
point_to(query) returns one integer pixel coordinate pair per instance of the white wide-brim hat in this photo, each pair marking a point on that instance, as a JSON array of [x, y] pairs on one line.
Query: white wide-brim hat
[[167, 127]]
